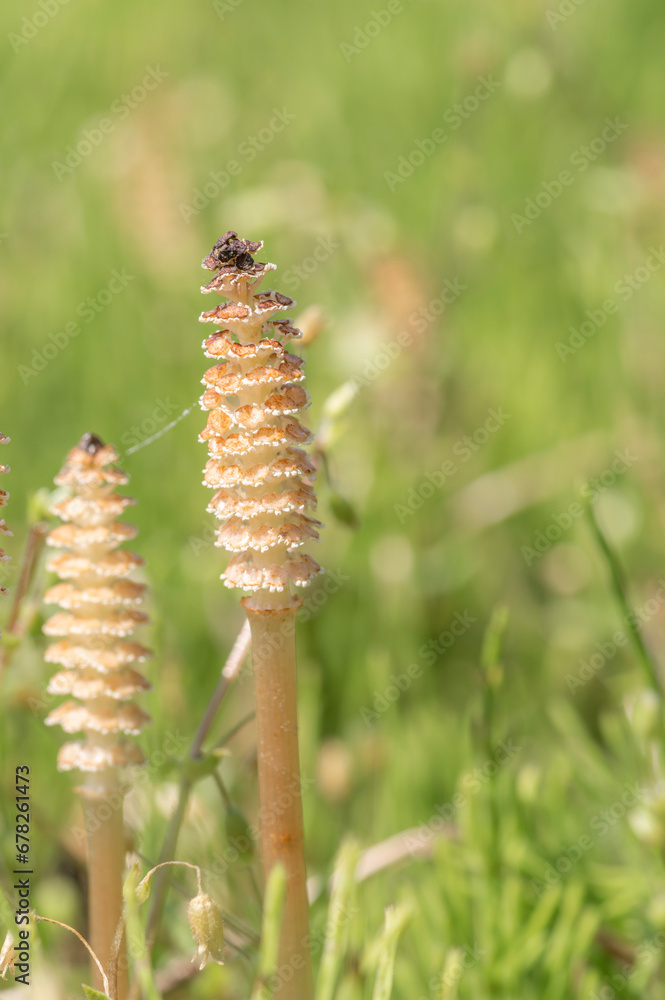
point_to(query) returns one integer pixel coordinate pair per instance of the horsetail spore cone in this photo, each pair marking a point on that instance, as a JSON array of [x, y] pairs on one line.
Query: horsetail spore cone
[[261, 473], [264, 493], [101, 609]]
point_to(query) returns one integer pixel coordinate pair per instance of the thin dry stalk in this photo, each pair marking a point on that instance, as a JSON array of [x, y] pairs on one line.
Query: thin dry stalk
[[24, 609], [97, 964], [229, 673], [4, 497]]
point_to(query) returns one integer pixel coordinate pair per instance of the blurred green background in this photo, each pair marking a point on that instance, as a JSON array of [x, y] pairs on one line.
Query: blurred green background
[[442, 180]]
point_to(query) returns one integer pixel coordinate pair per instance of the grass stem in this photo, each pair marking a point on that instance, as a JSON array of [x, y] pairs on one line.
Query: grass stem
[[230, 671], [270, 934], [620, 589]]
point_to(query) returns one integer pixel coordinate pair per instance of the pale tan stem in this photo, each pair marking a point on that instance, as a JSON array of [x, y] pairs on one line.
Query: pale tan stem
[[280, 788], [102, 802], [96, 963]]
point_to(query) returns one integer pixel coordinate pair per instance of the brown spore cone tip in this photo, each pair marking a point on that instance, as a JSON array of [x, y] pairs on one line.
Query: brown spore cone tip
[[100, 610], [4, 497], [262, 477]]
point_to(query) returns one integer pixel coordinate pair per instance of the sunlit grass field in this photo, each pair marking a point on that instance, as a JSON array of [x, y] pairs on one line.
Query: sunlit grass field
[[473, 194]]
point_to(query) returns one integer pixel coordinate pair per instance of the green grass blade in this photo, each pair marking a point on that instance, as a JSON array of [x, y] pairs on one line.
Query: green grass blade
[[337, 922], [620, 589], [396, 920], [450, 975], [272, 924], [136, 934]]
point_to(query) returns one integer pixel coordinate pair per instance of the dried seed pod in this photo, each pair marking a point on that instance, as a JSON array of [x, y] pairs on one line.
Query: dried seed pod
[[262, 477], [205, 921], [8, 956], [4, 497], [101, 609]]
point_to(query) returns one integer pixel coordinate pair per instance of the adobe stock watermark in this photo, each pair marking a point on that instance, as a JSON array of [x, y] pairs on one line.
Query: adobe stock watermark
[[565, 10], [463, 449], [469, 785], [581, 159], [418, 322], [121, 108], [293, 278], [246, 153], [329, 584], [454, 117], [326, 586], [314, 943], [138, 433], [7, 570], [39, 704], [625, 288], [133, 776], [365, 34], [31, 26], [606, 651], [601, 823], [646, 955], [433, 649], [544, 539], [458, 960], [238, 847], [430, 652], [86, 311], [224, 7]]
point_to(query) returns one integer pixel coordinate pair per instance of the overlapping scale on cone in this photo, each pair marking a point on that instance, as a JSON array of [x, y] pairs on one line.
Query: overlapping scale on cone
[[4, 497], [100, 608], [262, 477]]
